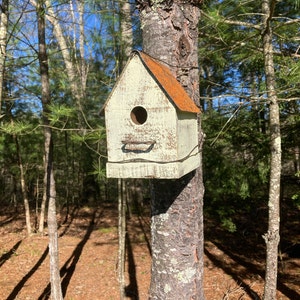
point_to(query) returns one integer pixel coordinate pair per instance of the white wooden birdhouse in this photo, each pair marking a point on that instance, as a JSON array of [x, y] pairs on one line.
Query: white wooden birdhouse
[[151, 123]]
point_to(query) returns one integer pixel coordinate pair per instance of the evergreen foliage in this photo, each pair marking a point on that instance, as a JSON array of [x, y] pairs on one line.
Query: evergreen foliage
[[236, 152], [79, 151]]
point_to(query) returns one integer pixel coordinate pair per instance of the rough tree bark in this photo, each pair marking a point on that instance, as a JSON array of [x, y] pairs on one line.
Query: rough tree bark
[[170, 35], [49, 182], [272, 236]]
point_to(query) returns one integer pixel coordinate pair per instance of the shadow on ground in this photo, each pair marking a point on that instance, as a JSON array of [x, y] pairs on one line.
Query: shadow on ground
[[69, 267], [245, 250]]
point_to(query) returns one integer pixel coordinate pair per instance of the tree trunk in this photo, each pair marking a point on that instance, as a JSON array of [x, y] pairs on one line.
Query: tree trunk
[[49, 182], [82, 63], [122, 235], [3, 44], [77, 86], [76, 91], [23, 184], [56, 291], [77, 74], [43, 207], [126, 48], [272, 236], [297, 160], [170, 35], [23, 187], [126, 33]]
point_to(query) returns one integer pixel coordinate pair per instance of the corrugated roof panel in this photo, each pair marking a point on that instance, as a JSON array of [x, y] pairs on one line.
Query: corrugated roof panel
[[169, 83]]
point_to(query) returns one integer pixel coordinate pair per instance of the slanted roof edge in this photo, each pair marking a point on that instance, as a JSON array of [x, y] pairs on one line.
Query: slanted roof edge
[[102, 109], [168, 83]]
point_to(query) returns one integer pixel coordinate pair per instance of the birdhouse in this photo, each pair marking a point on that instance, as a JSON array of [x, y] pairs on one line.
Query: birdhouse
[[151, 123]]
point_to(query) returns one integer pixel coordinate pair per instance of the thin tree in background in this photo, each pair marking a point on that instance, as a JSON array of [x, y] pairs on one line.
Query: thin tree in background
[[24, 186], [274, 25], [77, 86], [126, 42], [122, 236], [170, 35], [76, 69], [272, 236], [126, 32], [3, 43], [23, 183], [49, 182]]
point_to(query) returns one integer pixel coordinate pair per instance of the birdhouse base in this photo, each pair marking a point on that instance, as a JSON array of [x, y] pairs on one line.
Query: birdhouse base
[[171, 170]]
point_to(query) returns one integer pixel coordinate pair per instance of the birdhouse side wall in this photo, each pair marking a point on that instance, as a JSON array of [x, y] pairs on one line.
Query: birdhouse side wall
[[187, 132]]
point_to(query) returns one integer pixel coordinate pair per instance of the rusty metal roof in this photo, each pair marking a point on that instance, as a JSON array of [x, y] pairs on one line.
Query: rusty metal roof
[[169, 84]]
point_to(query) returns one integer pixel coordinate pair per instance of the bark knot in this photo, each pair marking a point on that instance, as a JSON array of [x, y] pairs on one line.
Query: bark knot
[[184, 47]]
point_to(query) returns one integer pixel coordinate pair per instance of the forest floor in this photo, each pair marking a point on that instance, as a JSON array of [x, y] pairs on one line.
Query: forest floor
[[88, 249]]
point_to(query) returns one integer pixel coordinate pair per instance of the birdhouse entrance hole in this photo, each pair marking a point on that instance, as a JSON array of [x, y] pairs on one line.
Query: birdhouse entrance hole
[[139, 115]]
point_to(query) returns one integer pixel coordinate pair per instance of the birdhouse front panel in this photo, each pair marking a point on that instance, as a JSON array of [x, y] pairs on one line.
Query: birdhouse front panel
[[147, 136], [135, 115]]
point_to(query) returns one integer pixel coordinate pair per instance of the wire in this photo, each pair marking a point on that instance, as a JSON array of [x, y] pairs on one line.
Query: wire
[[158, 162], [227, 122]]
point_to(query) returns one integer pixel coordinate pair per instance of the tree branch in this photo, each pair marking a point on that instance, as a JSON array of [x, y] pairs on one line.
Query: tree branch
[[233, 22]]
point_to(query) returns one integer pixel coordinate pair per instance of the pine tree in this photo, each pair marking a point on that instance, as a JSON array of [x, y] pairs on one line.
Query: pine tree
[[170, 35]]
